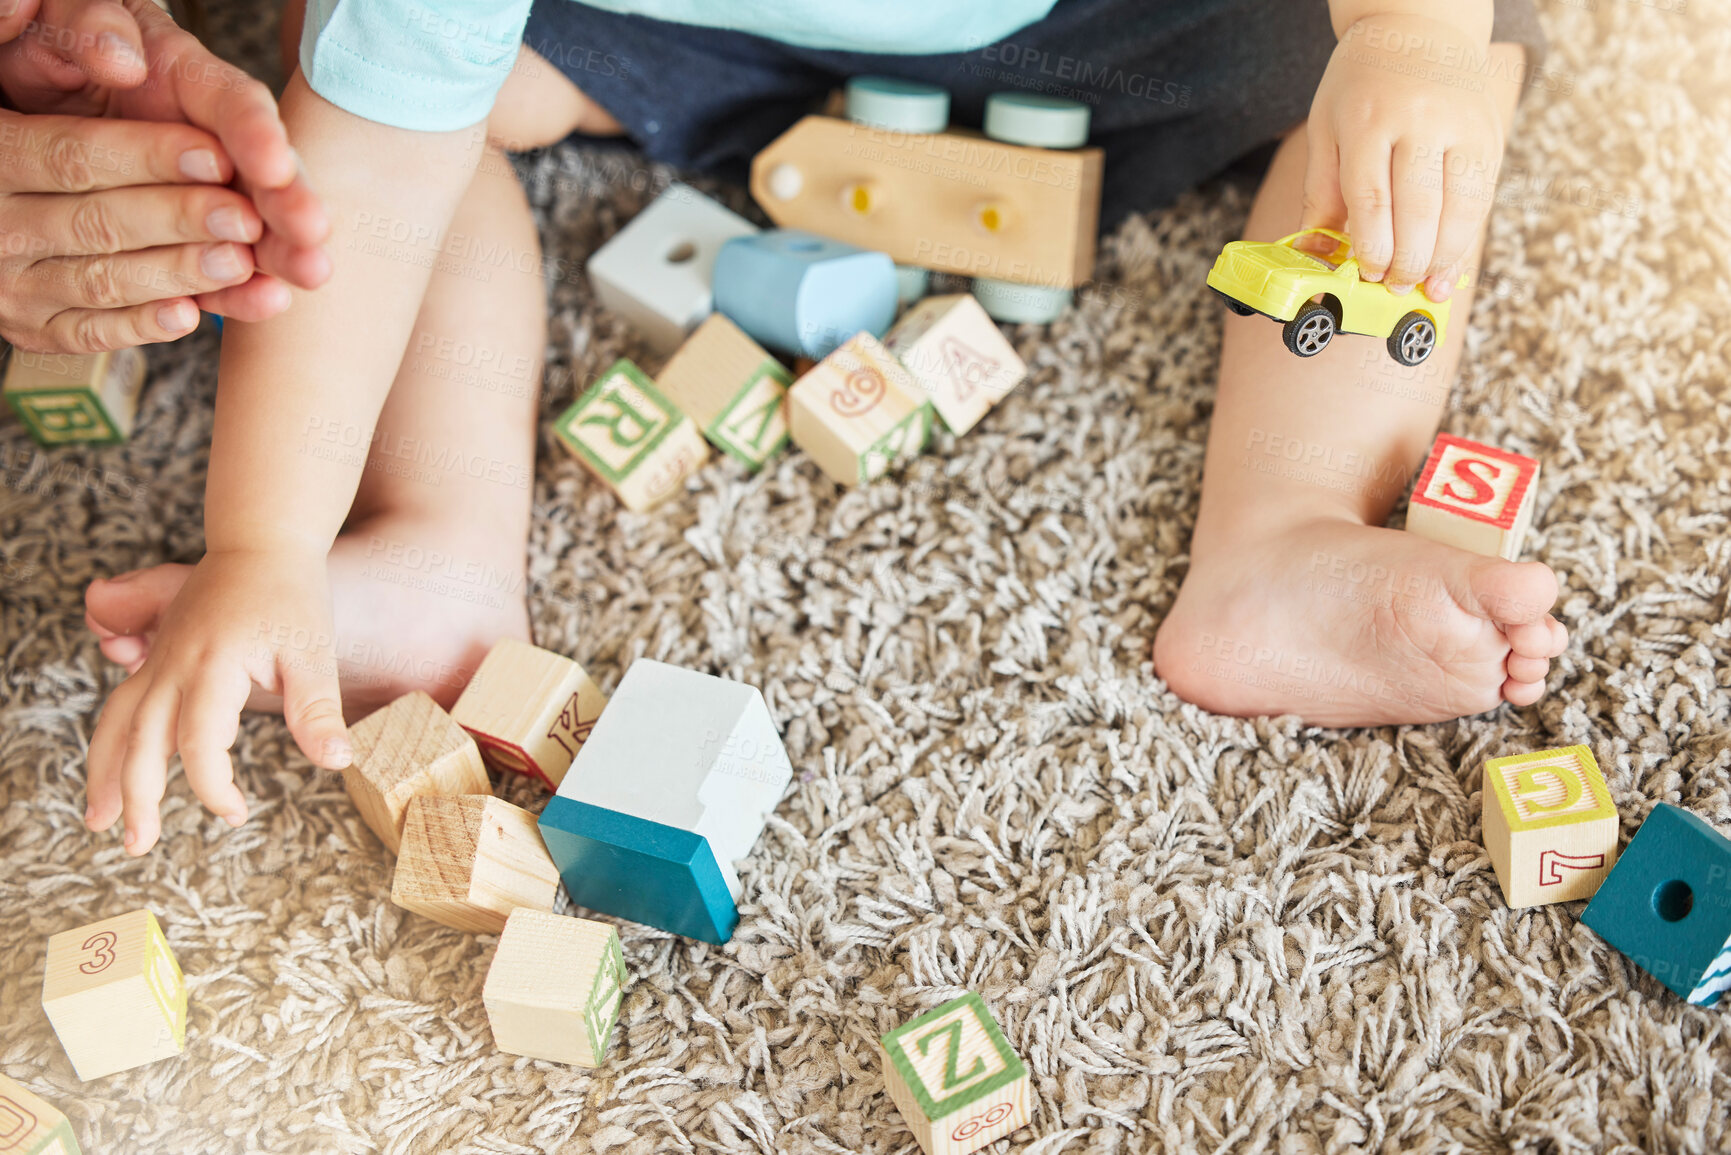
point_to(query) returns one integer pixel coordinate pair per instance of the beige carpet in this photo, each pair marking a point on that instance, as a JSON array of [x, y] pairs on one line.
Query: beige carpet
[[1201, 933]]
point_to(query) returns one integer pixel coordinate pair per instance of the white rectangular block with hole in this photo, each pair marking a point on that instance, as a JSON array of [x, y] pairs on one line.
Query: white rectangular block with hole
[[1474, 497], [657, 271]]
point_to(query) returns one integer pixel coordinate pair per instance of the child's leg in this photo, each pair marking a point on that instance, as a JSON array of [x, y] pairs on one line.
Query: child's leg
[[1297, 601]]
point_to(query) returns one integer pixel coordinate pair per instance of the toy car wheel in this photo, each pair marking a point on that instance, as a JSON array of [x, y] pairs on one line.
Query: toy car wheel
[[1310, 332], [1412, 339], [1238, 307]]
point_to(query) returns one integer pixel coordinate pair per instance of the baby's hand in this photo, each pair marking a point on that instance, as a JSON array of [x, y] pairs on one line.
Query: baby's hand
[[1405, 143], [243, 618]]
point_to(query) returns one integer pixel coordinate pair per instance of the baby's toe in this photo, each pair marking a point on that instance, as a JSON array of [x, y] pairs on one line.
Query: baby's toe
[[1532, 640], [1517, 693], [1523, 669]]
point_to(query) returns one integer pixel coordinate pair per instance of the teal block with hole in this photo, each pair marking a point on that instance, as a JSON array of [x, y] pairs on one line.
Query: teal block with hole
[[804, 294], [1667, 904]]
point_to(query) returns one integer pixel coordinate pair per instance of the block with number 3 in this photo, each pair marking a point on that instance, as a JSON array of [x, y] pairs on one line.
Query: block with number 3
[[858, 412], [554, 988], [114, 993], [955, 1079], [633, 437], [1549, 825], [1474, 497]]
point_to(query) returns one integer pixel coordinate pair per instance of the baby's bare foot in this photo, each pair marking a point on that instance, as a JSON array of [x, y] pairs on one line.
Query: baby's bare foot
[[1346, 624], [417, 606]]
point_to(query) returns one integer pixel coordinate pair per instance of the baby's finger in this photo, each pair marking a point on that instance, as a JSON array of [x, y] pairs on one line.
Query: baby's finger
[[313, 707], [294, 212], [144, 769], [1465, 205], [107, 748], [1418, 203], [1323, 207], [99, 36], [306, 266], [209, 724], [1364, 185], [260, 299]]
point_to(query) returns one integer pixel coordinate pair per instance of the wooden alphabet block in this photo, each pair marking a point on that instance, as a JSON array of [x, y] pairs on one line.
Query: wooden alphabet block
[[656, 272], [555, 986], [955, 1079], [468, 861], [115, 995], [407, 748], [1474, 497], [673, 786], [529, 709], [733, 389], [858, 412], [30, 1125], [1667, 904], [633, 437], [1549, 825], [63, 397], [958, 356], [802, 293], [952, 201]]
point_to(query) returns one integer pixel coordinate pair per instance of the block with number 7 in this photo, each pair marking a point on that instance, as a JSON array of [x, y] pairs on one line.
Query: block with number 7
[[114, 993], [1549, 825], [1474, 497], [955, 1079]]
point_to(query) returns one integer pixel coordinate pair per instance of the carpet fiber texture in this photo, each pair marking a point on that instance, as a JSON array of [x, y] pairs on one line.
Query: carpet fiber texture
[[1201, 933]]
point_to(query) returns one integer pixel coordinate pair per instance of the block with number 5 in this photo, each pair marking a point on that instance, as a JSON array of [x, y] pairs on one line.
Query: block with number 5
[[114, 993], [1549, 825], [955, 1079], [633, 437], [1474, 497]]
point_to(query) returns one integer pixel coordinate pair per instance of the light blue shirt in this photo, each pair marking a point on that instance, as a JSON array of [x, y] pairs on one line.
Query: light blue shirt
[[437, 65]]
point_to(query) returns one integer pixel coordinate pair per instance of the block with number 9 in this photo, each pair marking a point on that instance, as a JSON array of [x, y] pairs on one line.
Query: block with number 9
[[115, 995]]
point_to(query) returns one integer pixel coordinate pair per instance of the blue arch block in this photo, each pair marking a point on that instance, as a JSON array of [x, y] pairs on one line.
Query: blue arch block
[[801, 293], [657, 875], [1667, 904]]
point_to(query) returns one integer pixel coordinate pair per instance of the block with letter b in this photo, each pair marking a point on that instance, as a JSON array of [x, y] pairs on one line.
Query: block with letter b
[[64, 398], [115, 995], [1474, 497], [733, 389], [1549, 825], [955, 1079], [630, 435], [30, 1124], [530, 710], [554, 988], [959, 357], [858, 412]]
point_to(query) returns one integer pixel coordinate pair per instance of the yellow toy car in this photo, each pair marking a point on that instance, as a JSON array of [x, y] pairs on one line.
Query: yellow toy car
[[1317, 297]]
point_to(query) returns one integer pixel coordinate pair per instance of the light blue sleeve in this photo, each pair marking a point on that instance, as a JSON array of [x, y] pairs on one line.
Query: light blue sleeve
[[426, 65]]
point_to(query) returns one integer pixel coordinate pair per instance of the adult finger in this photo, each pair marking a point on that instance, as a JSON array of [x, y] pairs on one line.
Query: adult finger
[[144, 767], [15, 20], [1418, 202], [97, 330], [116, 280], [125, 219], [107, 745], [99, 38], [67, 154], [209, 724], [1364, 181], [1466, 203]]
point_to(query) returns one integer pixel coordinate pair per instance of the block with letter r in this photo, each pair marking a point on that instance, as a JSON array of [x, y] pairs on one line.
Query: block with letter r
[[952, 1074], [1549, 825], [631, 436]]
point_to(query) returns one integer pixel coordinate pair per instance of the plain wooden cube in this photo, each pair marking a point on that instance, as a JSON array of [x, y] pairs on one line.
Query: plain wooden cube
[[858, 412], [733, 389], [468, 861], [63, 398], [407, 748], [657, 271], [630, 435], [1474, 497], [30, 1124], [1549, 825], [555, 987], [957, 354], [529, 709], [955, 1079], [115, 995]]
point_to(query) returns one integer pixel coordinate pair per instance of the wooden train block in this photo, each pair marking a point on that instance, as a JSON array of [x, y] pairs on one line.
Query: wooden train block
[[407, 748], [468, 861], [30, 1124], [804, 294], [1474, 497], [630, 435], [115, 995], [1667, 904], [64, 398], [955, 1079], [953, 201], [555, 987], [656, 272], [958, 356], [530, 710], [859, 412], [661, 802], [733, 389], [1549, 825]]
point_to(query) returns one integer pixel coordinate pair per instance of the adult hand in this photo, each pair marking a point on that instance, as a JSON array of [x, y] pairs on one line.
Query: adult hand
[[115, 220]]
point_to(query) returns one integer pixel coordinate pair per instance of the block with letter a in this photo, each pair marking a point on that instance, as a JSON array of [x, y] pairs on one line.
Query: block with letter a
[[1549, 825], [1474, 497], [954, 1078]]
